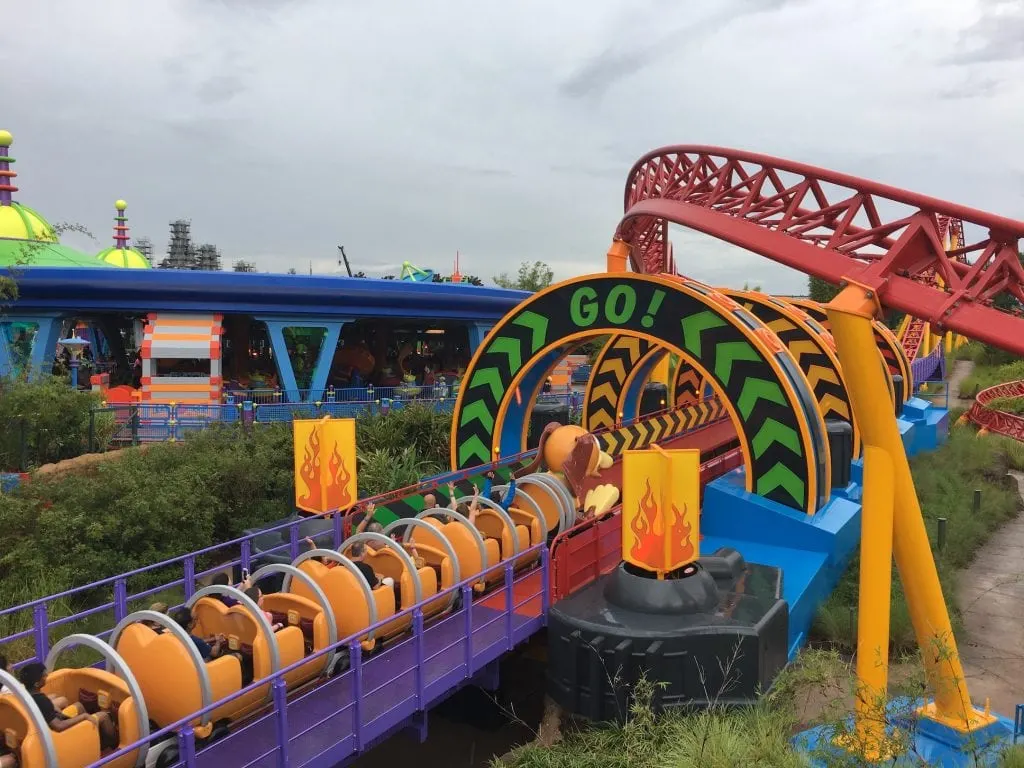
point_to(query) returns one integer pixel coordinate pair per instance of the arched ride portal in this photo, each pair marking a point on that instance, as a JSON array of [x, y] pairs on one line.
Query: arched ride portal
[[781, 433]]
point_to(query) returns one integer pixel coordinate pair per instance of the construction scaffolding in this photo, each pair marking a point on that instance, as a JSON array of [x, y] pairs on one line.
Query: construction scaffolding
[[180, 251], [207, 258]]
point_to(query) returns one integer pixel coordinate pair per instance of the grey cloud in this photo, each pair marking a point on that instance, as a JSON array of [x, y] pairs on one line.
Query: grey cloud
[[997, 36], [415, 130]]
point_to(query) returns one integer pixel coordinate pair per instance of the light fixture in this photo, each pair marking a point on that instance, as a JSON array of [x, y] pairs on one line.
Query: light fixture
[[434, 331]]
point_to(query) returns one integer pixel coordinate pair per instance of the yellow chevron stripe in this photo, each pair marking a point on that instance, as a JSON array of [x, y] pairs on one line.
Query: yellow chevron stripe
[[632, 345], [613, 443], [657, 429], [798, 348], [617, 366], [643, 429], [833, 403], [607, 389], [781, 325], [818, 373]]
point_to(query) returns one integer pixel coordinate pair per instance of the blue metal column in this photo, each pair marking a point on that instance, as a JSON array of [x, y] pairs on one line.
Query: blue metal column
[[477, 333], [285, 370]]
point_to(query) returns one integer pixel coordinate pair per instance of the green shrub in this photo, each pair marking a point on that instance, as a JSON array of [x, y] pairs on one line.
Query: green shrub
[[46, 421], [168, 499]]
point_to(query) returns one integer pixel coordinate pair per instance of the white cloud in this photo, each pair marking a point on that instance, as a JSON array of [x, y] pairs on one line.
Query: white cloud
[[408, 130]]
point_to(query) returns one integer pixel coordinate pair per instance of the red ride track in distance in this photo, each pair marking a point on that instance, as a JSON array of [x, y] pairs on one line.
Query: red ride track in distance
[[880, 236]]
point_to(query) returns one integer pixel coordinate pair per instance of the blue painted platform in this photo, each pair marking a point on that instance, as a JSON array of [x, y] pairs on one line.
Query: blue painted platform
[[813, 551], [930, 743]]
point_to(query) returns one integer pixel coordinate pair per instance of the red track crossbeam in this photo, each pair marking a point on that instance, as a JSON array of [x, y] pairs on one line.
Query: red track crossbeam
[[833, 226]]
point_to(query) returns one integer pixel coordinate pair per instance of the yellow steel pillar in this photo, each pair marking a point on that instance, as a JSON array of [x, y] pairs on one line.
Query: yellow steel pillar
[[875, 592], [850, 316]]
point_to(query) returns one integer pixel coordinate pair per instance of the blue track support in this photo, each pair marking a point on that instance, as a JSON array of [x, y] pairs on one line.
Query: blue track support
[[275, 330], [477, 332], [511, 440], [635, 393]]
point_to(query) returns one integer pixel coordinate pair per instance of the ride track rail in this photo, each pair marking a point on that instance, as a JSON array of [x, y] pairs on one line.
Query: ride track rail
[[833, 226], [994, 420]]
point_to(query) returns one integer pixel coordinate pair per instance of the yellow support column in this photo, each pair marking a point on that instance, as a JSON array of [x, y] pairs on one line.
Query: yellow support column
[[875, 592], [850, 316]]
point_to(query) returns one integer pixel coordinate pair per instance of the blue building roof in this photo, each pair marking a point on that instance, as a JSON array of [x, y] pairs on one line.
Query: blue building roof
[[167, 290]]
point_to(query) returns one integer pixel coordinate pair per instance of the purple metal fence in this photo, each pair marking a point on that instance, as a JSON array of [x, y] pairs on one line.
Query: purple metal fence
[[334, 719]]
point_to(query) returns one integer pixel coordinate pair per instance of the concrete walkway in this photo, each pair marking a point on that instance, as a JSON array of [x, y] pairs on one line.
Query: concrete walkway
[[961, 370], [991, 596]]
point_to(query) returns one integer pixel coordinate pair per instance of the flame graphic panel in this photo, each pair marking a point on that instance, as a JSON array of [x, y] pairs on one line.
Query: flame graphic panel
[[325, 464], [306, 440], [340, 479], [661, 508]]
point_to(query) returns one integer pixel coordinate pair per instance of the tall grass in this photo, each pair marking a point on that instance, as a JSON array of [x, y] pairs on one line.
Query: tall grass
[[945, 480]]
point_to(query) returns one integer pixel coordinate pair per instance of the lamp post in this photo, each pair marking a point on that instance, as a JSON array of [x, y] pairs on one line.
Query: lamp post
[[75, 346]]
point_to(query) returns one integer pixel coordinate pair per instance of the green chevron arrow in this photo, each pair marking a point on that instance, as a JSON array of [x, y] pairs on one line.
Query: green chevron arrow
[[478, 410], [503, 345], [473, 448], [755, 389], [536, 323], [696, 324], [490, 376], [729, 352], [773, 431], [781, 476]]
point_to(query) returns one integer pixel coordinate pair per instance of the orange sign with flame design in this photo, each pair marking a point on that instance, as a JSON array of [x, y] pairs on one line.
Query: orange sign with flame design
[[325, 464], [660, 508]]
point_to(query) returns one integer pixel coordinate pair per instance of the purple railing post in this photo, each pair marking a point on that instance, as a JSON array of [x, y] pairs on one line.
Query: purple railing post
[[187, 746], [417, 631], [41, 625], [509, 604], [120, 600], [281, 705], [293, 540], [189, 567], [337, 524], [467, 606], [245, 555], [356, 664], [545, 585]]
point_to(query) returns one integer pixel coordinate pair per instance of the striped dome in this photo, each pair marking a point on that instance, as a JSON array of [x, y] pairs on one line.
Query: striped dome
[[128, 258], [19, 222]]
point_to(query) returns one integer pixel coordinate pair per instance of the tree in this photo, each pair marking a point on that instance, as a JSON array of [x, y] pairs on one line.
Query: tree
[[292, 271], [531, 277], [748, 287], [244, 266], [820, 290]]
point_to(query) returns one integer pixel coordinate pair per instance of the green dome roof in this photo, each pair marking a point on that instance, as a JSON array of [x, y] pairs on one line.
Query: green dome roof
[[33, 253], [121, 255]]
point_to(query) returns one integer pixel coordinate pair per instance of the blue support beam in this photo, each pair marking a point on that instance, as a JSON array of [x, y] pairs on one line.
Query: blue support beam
[[477, 333], [285, 370]]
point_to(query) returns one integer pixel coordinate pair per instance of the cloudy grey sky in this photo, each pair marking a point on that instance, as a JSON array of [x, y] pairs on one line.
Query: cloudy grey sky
[[406, 129]]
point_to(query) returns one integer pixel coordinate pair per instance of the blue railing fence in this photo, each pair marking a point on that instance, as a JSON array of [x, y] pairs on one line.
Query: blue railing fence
[[156, 422]]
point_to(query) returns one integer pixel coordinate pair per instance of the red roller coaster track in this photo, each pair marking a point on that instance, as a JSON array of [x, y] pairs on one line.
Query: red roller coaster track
[[833, 226]]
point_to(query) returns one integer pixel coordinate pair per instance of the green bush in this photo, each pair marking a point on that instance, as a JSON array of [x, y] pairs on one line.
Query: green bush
[[168, 499], [46, 421]]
